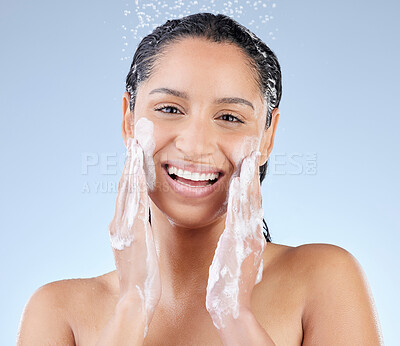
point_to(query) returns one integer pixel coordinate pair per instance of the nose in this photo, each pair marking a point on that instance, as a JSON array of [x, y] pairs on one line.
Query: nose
[[196, 139]]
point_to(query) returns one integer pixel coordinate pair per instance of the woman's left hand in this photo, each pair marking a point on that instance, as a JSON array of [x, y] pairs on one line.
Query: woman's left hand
[[237, 264]]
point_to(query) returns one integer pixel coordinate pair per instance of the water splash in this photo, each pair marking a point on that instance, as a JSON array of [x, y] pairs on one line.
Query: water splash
[[141, 17]]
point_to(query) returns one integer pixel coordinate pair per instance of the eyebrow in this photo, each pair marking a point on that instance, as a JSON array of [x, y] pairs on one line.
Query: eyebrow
[[183, 95]]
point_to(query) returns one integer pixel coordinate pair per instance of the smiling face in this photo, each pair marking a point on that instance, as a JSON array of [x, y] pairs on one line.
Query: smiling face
[[208, 114]]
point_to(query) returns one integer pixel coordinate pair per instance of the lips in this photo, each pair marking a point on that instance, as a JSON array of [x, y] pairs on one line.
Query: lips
[[192, 188]]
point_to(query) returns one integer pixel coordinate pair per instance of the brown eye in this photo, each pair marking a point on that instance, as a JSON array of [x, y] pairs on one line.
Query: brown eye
[[171, 109], [231, 118]]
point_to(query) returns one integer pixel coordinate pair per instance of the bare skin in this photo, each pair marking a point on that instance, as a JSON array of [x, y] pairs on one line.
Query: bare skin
[[314, 294], [300, 301]]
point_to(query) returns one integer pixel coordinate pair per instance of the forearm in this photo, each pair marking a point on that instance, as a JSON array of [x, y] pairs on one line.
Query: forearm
[[126, 326], [245, 330]]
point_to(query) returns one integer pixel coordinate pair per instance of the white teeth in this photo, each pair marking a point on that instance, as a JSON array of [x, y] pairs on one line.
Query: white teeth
[[195, 176]]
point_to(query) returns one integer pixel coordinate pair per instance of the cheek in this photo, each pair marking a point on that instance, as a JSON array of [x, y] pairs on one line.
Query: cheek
[[162, 141]]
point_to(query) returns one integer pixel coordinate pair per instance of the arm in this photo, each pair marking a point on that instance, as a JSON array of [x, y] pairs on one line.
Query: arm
[[340, 308], [44, 320]]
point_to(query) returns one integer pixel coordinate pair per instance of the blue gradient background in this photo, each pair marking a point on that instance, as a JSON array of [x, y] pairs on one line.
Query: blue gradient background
[[62, 80]]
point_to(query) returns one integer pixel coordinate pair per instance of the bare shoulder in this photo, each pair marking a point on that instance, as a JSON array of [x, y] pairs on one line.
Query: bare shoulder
[[328, 264], [307, 252], [338, 307], [70, 294], [45, 317], [51, 314], [318, 263], [318, 258]]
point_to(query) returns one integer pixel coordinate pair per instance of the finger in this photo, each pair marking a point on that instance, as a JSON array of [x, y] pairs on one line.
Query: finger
[[123, 184], [255, 184], [247, 173], [136, 161], [256, 208], [233, 208], [250, 202], [140, 182], [133, 195], [144, 133], [246, 170], [142, 189], [118, 231]]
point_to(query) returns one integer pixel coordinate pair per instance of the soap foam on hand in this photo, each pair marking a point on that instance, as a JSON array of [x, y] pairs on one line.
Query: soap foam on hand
[[246, 176], [128, 199], [243, 149], [241, 237], [240, 151], [144, 134], [133, 204]]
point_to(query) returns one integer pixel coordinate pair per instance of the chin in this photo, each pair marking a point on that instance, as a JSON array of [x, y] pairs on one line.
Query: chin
[[189, 216]]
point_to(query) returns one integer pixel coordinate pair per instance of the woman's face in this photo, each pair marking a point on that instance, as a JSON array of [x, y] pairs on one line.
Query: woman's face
[[208, 114]]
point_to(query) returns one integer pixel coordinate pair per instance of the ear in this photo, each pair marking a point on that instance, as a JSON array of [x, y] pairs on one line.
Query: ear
[[128, 124], [267, 141]]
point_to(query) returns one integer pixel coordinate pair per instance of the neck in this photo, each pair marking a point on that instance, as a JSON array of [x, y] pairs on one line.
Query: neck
[[185, 255]]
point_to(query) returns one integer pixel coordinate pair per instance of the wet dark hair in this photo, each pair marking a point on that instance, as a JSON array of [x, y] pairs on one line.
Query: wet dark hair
[[215, 28]]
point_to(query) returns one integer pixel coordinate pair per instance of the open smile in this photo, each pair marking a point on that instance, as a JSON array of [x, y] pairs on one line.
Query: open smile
[[190, 183]]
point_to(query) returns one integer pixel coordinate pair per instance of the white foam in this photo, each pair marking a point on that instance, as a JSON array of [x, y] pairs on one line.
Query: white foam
[[241, 237], [123, 234], [144, 133], [244, 148], [260, 272]]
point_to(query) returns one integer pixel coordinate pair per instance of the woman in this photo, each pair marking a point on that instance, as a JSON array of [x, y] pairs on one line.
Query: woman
[[193, 267]]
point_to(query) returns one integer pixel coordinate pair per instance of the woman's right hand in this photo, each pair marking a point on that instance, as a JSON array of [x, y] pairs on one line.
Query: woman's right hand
[[132, 238]]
